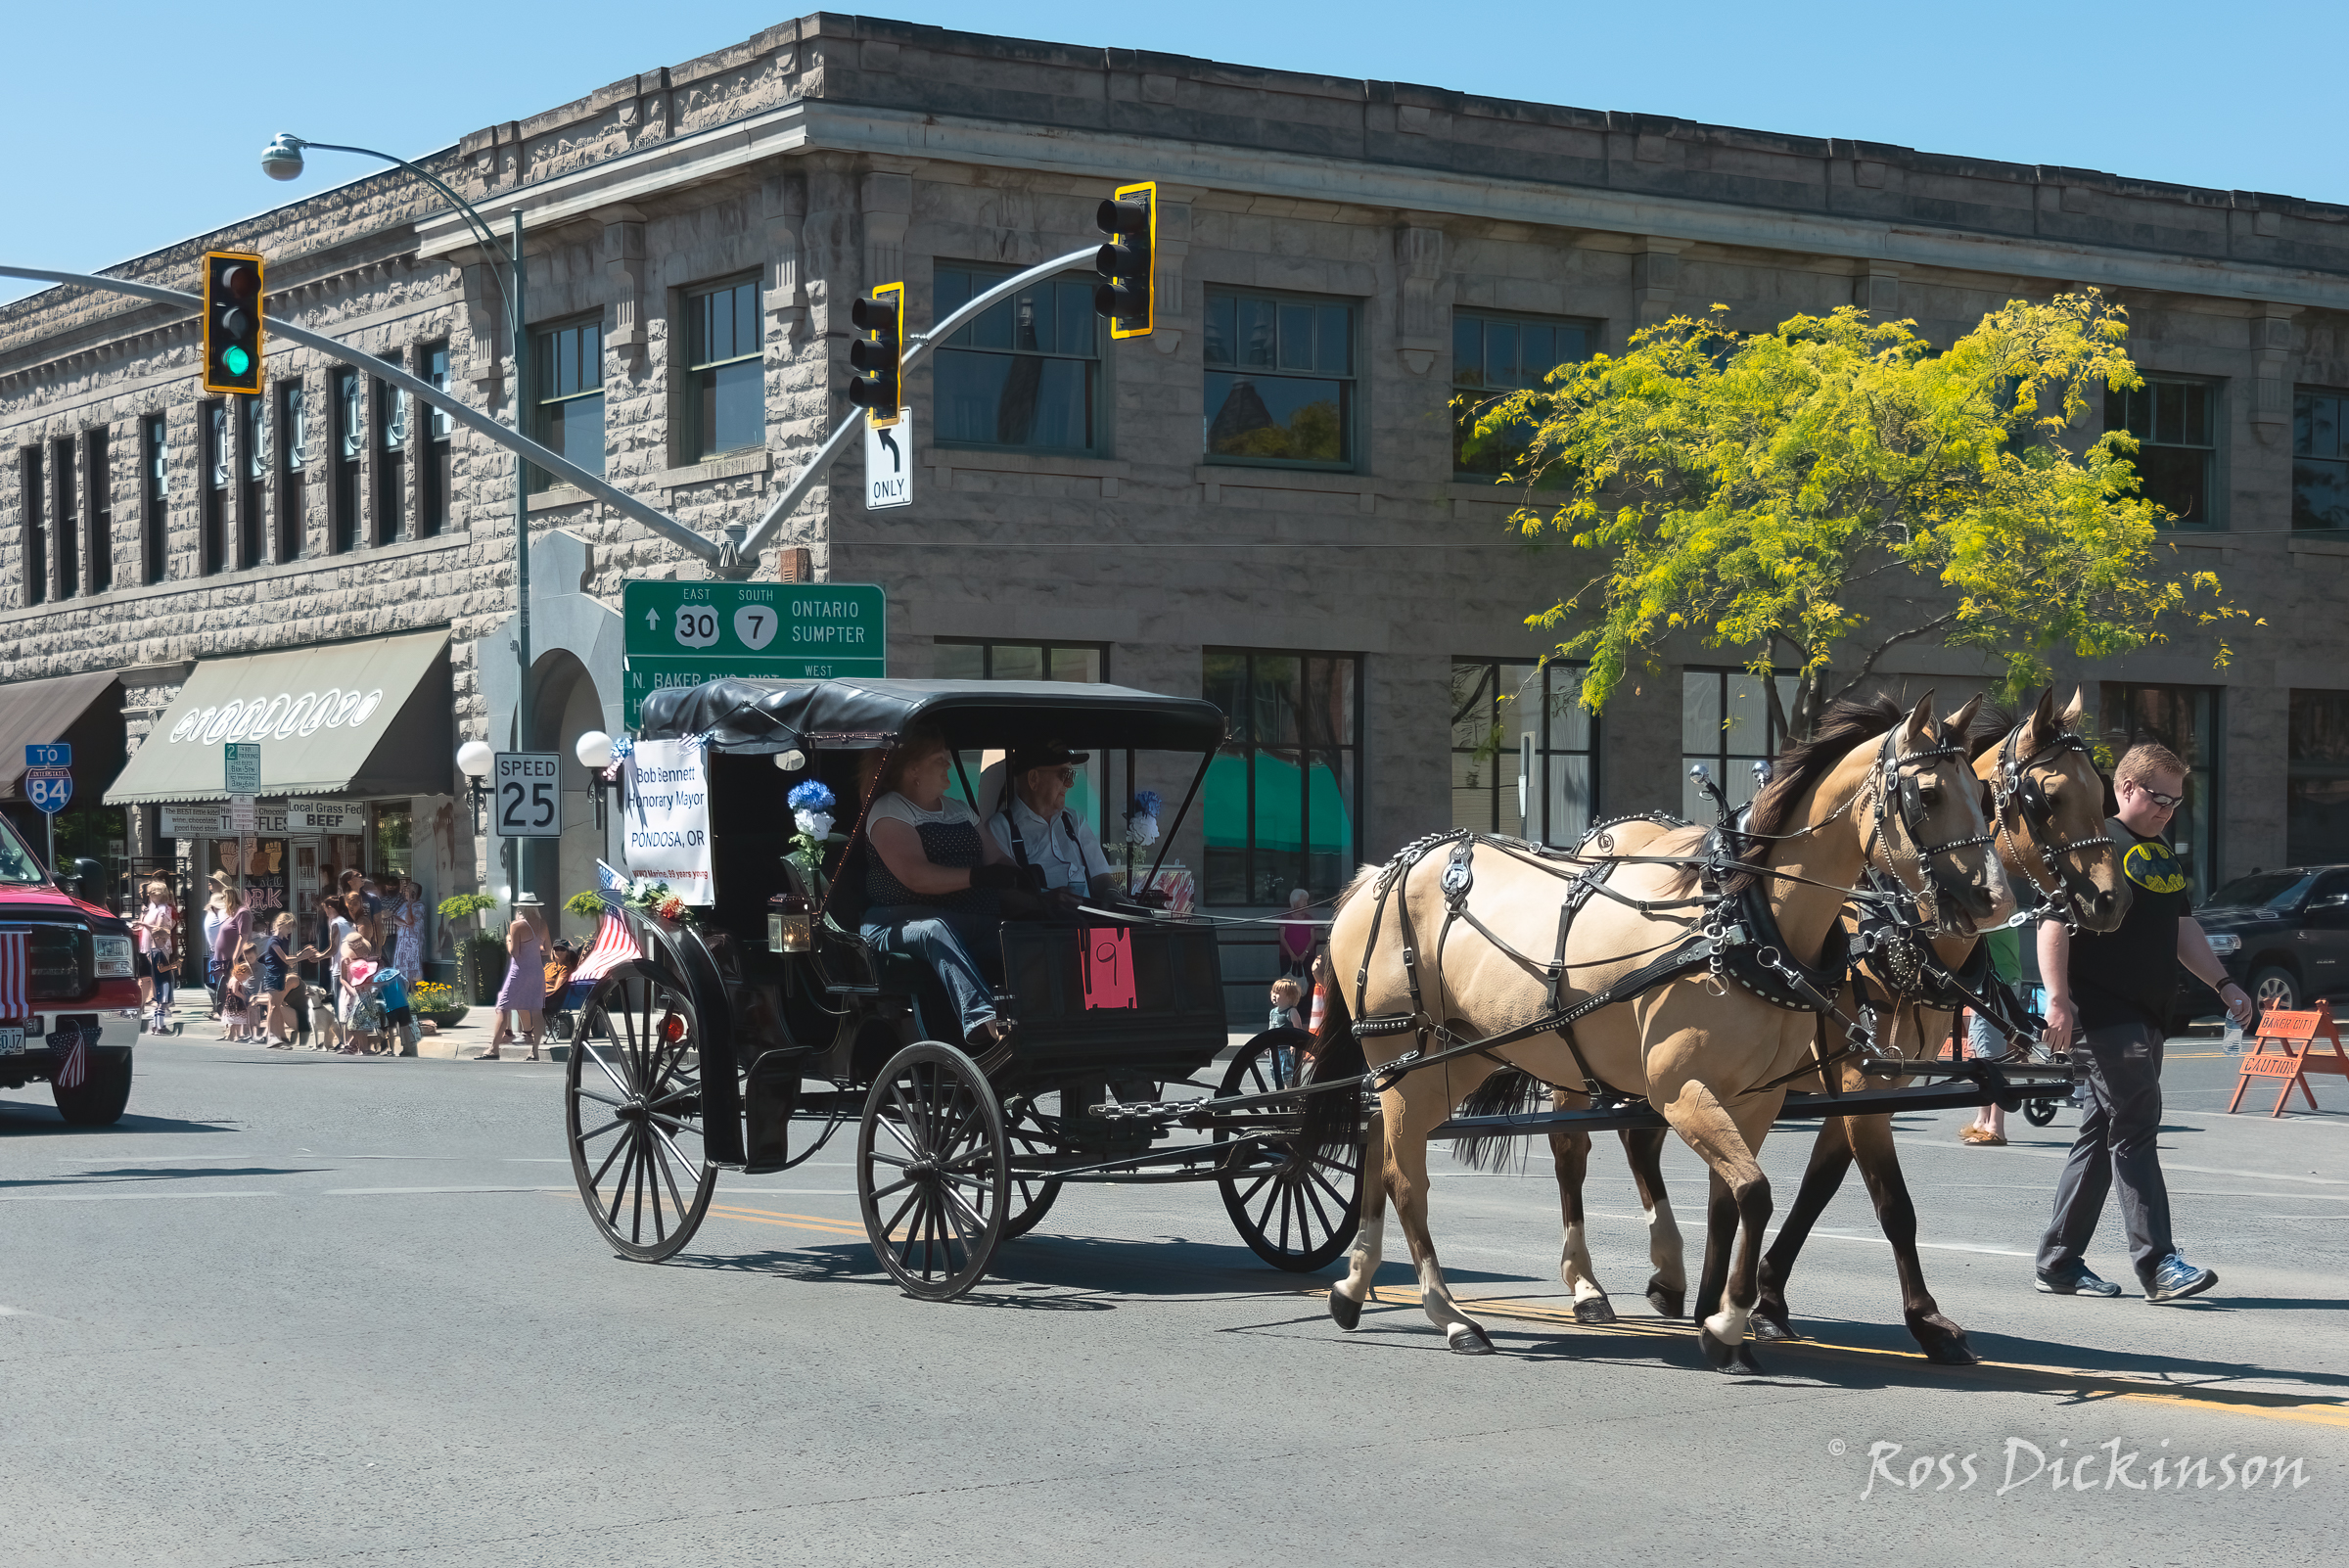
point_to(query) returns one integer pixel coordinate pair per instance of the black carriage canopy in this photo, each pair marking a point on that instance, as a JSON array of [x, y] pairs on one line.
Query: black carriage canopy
[[762, 718]]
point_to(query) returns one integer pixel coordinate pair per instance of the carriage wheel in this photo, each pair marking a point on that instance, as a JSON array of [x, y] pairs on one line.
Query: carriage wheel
[[2039, 1113], [1031, 1197], [633, 1105], [932, 1175], [1297, 1210]]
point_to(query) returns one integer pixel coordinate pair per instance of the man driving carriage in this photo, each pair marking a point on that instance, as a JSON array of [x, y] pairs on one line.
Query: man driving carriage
[[1032, 823]]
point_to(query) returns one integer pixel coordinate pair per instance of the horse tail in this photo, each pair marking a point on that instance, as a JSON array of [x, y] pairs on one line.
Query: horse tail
[[1507, 1092], [1334, 1117]]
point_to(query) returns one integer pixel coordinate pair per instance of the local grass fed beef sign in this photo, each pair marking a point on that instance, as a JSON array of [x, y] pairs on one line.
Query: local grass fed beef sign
[[667, 796]]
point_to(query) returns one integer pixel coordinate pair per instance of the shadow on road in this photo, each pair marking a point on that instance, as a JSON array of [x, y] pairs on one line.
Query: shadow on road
[[19, 1117], [135, 1172]]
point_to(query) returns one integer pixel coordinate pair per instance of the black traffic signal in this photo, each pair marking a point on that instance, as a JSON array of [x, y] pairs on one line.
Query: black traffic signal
[[879, 354], [232, 322], [1131, 221]]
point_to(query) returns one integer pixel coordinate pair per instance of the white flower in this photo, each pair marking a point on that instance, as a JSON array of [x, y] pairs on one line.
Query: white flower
[[816, 824], [1142, 831]]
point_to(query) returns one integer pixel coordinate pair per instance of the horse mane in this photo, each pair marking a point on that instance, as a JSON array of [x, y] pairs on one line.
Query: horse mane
[[1992, 724], [1803, 765]]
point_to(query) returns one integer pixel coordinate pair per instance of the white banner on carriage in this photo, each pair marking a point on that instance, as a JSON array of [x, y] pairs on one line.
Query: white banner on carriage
[[667, 796]]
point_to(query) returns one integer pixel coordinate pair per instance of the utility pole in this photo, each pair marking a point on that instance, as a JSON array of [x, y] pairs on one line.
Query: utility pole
[[516, 850]]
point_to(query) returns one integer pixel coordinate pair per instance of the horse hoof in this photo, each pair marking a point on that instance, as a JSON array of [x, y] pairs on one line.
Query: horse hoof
[[1347, 1312], [1766, 1326], [1668, 1303], [1724, 1356], [1595, 1310], [1467, 1340], [1944, 1343]]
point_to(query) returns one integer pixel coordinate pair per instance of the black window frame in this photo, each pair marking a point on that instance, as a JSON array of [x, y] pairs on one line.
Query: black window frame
[[2139, 411], [65, 508], [295, 428], [1071, 298], [33, 495], [215, 451], [1730, 763], [1354, 383], [387, 432], [155, 496], [1470, 394], [1240, 740], [98, 509], [697, 366], [549, 399], [1485, 770], [2194, 827], [2320, 458], [347, 426], [252, 486], [435, 480]]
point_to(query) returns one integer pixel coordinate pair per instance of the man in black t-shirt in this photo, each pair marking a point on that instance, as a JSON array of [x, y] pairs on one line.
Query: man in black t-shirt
[[2115, 990]]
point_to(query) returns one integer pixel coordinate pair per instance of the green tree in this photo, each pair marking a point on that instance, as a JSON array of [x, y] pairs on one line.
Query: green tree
[[1747, 486]]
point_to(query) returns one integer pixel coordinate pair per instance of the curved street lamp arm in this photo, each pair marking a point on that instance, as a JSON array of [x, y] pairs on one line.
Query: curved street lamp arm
[[480, 225], [772, 520], [619, 500]]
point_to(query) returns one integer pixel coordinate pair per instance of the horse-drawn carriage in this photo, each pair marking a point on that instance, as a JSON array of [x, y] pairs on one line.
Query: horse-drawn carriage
[[772, 1020], [744, 1038]]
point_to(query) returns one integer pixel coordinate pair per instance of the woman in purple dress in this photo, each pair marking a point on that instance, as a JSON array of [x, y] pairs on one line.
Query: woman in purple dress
[[524, 993]]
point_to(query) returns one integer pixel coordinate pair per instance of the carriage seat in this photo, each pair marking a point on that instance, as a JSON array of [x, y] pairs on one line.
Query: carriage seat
[[851, 966]]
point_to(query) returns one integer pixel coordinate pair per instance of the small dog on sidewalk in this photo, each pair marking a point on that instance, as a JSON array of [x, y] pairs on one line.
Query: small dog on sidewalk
[[326, 1030]]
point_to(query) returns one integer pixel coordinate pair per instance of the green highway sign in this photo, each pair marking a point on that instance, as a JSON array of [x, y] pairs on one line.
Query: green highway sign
[[684, 633]]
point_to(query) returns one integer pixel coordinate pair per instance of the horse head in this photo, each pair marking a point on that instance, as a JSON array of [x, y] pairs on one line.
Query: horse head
[[2047, 814], [1928, 828]]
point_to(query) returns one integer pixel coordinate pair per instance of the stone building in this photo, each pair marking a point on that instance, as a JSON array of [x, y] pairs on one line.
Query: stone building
[[1260, 501]]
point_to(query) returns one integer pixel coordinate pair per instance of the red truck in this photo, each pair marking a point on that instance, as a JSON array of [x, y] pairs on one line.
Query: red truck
[[79, 965]]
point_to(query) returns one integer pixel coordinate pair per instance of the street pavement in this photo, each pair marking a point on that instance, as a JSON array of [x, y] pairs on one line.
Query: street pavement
[[297, 1308]]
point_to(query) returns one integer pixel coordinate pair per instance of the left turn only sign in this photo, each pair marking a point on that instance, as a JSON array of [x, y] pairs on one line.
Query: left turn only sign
[[888, 464], [529, 794]]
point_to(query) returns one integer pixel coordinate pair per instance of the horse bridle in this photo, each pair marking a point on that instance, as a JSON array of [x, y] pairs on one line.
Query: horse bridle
[[2016, 786], [1897, 797]]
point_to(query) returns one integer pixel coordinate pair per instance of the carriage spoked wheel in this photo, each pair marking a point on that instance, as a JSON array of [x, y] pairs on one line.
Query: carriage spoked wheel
[[1297, 1209], [933, 1177], [1031, 1196], [632, 1107]]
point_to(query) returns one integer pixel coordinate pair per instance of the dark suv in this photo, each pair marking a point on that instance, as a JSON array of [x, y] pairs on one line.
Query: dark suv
[[2283, 936]]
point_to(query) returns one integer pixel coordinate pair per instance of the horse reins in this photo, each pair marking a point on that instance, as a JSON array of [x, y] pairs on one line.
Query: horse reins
[[2009, 786]]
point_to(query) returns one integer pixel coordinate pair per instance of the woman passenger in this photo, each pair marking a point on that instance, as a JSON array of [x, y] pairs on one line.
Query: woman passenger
[[931, 879]]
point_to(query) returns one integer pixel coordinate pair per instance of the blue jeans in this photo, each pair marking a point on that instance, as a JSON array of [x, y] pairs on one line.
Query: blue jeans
[[948, 942]]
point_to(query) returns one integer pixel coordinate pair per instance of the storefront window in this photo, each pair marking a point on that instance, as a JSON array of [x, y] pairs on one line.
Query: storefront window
[[1726, 724], [2316, 823], [394, 824], [2183, 718], [1517, 728], [260, 866], [1283, 794]]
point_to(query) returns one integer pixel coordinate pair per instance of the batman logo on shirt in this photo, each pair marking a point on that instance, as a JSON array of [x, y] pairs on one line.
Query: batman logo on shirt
[[2152, 867]]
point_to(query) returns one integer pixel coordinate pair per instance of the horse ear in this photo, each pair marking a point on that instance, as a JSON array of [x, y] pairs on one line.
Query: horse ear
[[1919, 729], [1960, 724], [2040, 727], [2079, 709]]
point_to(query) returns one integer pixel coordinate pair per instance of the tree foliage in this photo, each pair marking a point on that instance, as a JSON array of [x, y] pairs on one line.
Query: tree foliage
[[1745, 487]]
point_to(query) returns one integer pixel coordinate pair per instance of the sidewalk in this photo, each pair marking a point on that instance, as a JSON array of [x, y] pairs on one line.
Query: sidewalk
[[460, 1043]]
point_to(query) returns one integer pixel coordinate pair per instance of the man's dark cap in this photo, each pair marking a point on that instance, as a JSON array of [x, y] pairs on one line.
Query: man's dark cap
[[1051, 753]]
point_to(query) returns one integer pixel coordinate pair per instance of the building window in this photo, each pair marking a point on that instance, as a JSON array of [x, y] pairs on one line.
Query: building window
[[725, 395], [1283, 796], [1492, 355], [2185, 719], [567, 389], [1279, 380], [1082, 661], [98, 483], [1026, 373], [1726, 724], [2175, 422], [62, 509], [36, 528], [217, 460], [435, 480], [390, 457], [1519, 733], [253, 508], [350, 439], [154, 495], [292, 469], [2316, 819], [2320, 460]]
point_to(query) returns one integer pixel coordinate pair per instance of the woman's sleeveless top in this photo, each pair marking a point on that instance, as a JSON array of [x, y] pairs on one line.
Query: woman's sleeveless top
[[954, 844]]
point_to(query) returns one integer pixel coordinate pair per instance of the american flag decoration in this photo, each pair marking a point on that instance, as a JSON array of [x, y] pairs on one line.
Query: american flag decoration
[[77, 1069], [15, 974], [615, 943]]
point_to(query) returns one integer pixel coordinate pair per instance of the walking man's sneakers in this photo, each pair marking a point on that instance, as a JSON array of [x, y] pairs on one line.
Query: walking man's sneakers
[[2175, 1280], [2077, 1281]]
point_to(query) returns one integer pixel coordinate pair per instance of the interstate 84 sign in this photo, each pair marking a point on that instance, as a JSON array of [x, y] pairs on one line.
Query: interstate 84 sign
[[684, 633]]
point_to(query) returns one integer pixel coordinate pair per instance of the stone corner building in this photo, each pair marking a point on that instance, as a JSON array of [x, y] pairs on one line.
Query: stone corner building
[[1261, 502]]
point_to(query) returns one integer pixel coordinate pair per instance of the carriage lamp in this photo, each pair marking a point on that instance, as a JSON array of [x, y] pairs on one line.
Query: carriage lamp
[[790, 927], [791, 762], [474, 760]]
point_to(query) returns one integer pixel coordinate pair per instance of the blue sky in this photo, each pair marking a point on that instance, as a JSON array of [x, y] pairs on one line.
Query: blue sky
[[138, 125]]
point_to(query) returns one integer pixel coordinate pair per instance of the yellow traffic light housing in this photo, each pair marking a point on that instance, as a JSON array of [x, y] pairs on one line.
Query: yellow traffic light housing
[[232, 321], [1130, 217], [880, 354]]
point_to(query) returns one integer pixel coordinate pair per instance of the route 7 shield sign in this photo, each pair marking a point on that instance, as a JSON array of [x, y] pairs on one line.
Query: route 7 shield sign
[[49, 788]]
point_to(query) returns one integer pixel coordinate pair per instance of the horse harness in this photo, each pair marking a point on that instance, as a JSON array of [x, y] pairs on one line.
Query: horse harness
[[1735, 937], [2017, 787]]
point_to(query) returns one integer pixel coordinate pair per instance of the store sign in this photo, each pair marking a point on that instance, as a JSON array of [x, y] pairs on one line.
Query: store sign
[[667, 796], [215, 820], [277, 716]]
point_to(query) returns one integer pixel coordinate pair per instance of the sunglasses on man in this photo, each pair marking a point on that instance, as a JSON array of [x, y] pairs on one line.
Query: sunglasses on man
[[2167, 803]]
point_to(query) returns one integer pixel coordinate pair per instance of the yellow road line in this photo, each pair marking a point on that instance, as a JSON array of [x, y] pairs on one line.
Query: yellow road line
[[789, 1221], [2069, 1379]]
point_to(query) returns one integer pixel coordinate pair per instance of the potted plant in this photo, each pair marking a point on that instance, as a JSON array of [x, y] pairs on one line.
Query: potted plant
[[485, 955], [436, 1004]]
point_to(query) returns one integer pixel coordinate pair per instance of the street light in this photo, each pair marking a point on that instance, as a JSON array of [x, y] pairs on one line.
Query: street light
[[594, 752], [282, 159], [474, 758]]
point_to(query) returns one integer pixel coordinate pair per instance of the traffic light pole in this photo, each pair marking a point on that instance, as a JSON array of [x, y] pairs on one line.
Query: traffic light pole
[[916, 345], [621, 501]]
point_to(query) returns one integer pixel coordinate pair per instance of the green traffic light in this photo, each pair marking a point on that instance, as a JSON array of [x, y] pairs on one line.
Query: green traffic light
[[236, 359]]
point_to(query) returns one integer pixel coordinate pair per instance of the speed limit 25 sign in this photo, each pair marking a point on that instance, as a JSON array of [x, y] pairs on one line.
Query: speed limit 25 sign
[[529, 787]]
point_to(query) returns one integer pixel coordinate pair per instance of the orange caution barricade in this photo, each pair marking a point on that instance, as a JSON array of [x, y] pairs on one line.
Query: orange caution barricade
[[2296, 1038]]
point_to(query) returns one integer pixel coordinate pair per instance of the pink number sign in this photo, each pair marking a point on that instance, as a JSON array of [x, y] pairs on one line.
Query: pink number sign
[[1109, 967]]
